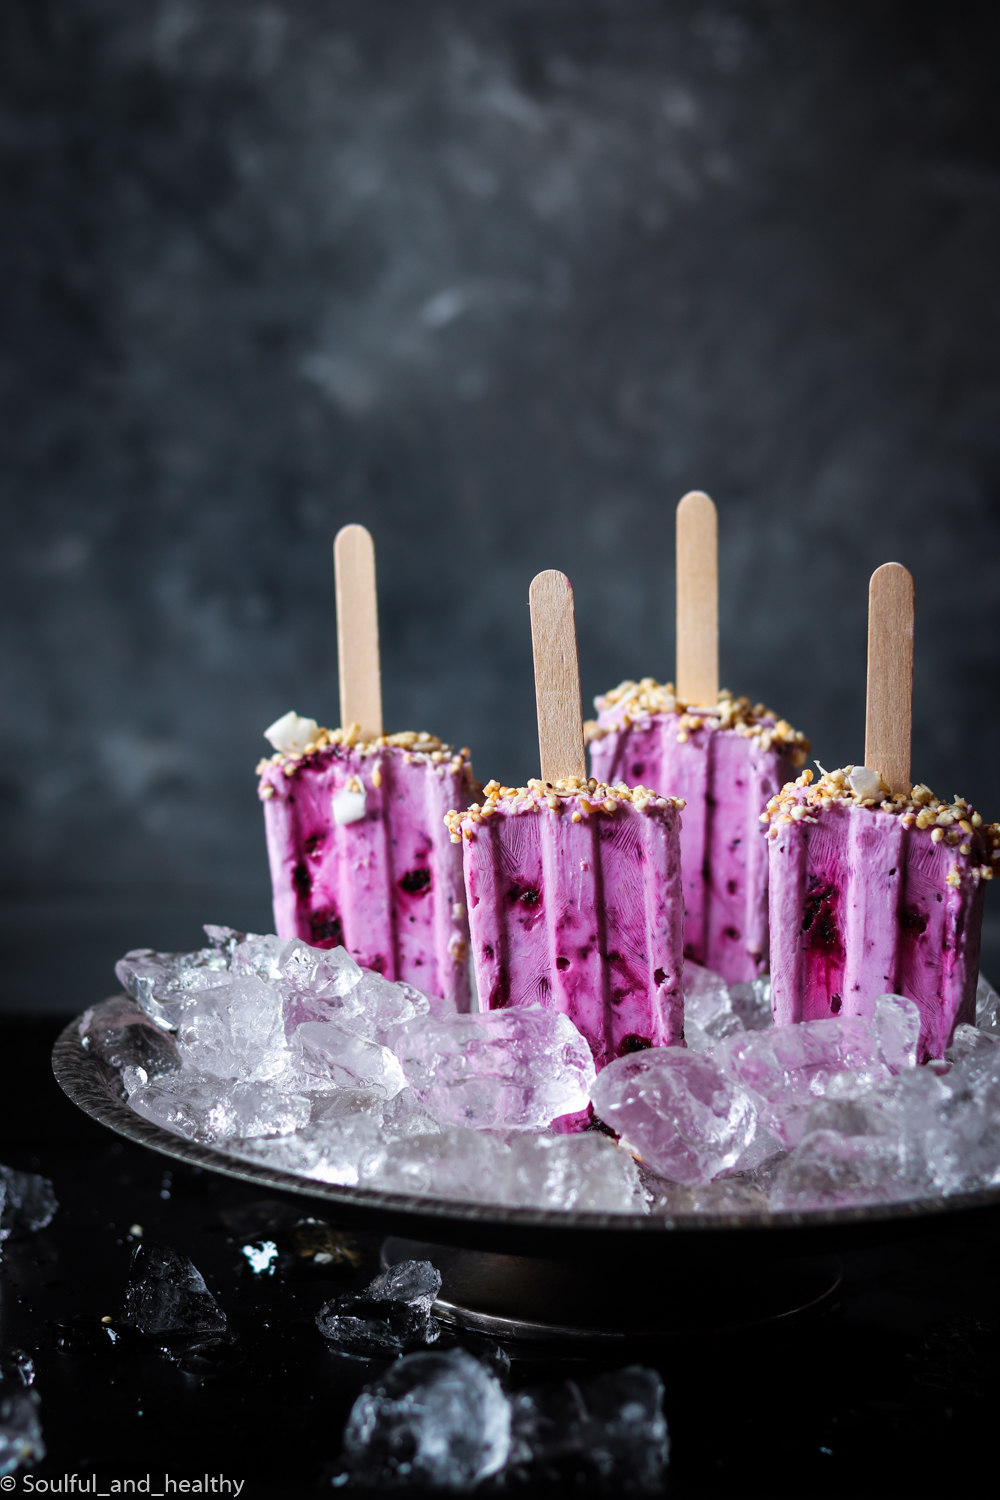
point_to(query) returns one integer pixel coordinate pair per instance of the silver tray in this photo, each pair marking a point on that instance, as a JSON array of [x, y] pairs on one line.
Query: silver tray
[[656, 1240]]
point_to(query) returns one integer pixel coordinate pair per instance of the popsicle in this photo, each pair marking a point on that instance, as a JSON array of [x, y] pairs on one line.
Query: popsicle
[[724, 758], [877, 886], [573, 887], [354, 817]]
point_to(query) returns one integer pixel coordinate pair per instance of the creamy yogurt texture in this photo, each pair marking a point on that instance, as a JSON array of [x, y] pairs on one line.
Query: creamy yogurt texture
[[360, 855], [575, 904], [725, 762], [876, 894]]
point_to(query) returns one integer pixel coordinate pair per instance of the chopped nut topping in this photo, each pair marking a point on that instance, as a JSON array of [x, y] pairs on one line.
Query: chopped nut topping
[[425, 748], [635, 702], [801, 801], [592, 799]]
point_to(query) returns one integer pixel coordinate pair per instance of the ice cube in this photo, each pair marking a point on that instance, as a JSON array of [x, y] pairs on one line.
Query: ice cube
[[331, 1055], [332, 1150], [752, 1003], [20, 1432], [236, 1031], [677, 1110], [404, 1116], [509, 1069], [610, 1429], [19, 1367], [727, 1195], [438, 1420], [457, 1163], [225, 939], [29, 1203], [829, 1170], [708, 1013], [895, 1027], [974, 1055], [166, 1294], [259, 955], [122, 1035], [587, 1173], [787, 1067], [206, 1109], [162, 983], [390, 1315], [987, 1007]]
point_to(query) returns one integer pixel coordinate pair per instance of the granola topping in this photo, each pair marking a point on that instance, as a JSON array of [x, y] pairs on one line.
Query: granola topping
[[420, 747], [582, 799], [954, 823], [637, 702]]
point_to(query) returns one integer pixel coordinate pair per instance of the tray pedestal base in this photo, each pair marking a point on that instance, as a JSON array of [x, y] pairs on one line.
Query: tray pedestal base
[[572, 1303]]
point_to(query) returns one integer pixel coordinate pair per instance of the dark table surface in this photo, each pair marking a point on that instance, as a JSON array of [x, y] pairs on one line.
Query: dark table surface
[[893, 1393]]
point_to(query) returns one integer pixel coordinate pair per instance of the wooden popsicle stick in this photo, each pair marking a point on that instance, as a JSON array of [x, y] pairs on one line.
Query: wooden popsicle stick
[[357, 631], [697, 601], [888, 724], [557, 677]]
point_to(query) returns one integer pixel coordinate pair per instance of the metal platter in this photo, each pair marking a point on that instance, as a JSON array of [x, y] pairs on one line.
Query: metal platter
[[698, 1239]]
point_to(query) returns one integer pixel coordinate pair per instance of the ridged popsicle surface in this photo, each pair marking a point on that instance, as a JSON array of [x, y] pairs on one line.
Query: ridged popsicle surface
[[725, 764], [360, 855], [575, 903], [876, 897]]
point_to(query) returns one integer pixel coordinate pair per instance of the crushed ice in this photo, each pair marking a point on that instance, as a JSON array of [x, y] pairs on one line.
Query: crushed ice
[[442, 1421], [296, 1057]]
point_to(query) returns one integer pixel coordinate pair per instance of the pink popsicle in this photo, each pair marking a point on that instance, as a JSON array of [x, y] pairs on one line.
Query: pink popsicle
[[360, 856], [876, 894], [725, 762], [877, 887], [573, 887], [722, 756], [574, 902]]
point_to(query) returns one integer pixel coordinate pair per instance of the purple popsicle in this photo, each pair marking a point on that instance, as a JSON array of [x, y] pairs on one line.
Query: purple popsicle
[[574, 887], [876, 887], [724, 758], [355, 818], [876, 894], [725, 763], [574, 902], [360, 857]]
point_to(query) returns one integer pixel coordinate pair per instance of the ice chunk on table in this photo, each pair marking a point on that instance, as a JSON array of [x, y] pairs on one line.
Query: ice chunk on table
[[439, 1421], [725, 760], [28, 1203], [166, 1294], [609, 1429], [359, 855], [869, 898], [21, 1444], [575, 904], [677, 1110], [509, 1069], [393, 1313]]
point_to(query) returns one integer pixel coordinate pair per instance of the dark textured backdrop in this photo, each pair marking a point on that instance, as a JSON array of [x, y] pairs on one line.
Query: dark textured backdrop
[[502, 281]]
